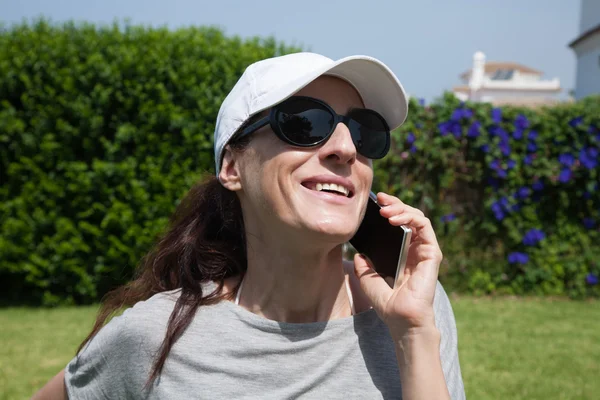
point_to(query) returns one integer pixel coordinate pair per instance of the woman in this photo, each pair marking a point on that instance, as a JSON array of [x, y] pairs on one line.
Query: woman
[[247, 294]]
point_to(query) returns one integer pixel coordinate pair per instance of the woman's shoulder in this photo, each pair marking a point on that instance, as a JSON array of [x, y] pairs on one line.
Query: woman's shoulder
[[156, 310]]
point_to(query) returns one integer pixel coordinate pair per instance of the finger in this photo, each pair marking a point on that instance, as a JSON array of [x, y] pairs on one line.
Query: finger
[[372, 284], [385, 199], [419, 223], [391, 205]]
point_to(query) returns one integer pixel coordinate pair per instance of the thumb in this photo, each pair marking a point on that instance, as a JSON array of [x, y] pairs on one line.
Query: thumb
[[372, 284]]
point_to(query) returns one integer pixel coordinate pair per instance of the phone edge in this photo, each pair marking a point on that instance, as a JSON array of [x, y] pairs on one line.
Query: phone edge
[[403, 255]]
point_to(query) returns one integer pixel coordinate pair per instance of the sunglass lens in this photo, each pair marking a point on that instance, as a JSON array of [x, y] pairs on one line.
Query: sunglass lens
[[304, 122], [370, 133]]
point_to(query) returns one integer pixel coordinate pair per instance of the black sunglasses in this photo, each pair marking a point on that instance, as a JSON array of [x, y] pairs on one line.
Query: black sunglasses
[[308, 122]]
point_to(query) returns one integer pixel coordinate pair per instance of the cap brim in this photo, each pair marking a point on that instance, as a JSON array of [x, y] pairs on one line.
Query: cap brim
[[377, 85]]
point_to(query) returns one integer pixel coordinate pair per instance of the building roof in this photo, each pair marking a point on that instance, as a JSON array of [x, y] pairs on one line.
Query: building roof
[[493, 66], [585, 35]]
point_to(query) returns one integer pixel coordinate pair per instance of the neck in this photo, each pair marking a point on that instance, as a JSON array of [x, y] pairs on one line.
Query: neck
[[288, 284]]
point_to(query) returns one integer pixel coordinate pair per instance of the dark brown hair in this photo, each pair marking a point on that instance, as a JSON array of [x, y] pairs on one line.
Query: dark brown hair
[[205, 241]]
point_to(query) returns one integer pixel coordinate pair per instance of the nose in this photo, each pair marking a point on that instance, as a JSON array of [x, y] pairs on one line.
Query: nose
[[340, 147]]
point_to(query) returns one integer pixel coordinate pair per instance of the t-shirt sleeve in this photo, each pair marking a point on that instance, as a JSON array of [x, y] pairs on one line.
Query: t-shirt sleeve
[[446, 324], [111, 365]]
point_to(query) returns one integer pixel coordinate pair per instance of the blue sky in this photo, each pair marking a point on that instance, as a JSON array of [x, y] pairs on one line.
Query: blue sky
[[427, 43]]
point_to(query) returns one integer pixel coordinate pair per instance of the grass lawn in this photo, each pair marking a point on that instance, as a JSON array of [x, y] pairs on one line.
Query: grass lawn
[[529, 348], [509, 348]]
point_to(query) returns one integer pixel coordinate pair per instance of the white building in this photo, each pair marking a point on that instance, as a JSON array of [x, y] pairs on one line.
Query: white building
[[502, 83], [587, 49]]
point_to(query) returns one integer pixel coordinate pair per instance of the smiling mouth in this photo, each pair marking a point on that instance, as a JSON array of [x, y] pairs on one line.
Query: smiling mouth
[[333, 188]]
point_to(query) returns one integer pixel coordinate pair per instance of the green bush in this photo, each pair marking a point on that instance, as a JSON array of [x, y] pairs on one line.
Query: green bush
[[512, 192], [102, 130]]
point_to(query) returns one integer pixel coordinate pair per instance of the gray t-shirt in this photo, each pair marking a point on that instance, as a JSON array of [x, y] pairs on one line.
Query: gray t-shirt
[[228, 352]]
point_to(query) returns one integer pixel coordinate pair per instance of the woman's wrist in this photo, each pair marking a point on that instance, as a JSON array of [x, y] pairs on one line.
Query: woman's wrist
[[415, 343], [420, 366]]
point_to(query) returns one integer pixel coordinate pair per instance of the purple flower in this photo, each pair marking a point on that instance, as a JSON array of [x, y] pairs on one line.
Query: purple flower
[[532, 135], [523, 192], [515, 207], [457, 115], [591, 279], [495, 164], [410, 139], [448, 218], [474, 129], [566, 159], [505, 148], [537, 186], [588, 163], [594, 130], [444, 128], [450, 127], [457, 131], [498, 211], [497, 115], [521, 121], [485, 148], [518, 134], [518, 258], [511, 164], [532, 237], [501, 173], [413, 148], [588, 157], [531, 147], [528, 159], [422, 102], [589, 223], [565, 175], [503, 135], [575, 121], [505, 203]]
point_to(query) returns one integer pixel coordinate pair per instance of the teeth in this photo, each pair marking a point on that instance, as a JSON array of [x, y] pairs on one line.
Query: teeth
[[332, 186]]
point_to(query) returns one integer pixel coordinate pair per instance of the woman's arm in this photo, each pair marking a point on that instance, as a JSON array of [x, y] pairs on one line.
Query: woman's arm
[[420, 366], [55, 389], [409, 310]]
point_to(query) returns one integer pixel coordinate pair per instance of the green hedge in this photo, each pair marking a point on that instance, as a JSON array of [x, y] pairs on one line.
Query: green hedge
[[103, 129], [512, 192]]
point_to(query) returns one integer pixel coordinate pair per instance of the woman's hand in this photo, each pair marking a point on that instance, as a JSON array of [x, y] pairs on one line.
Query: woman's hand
[[407, 309]]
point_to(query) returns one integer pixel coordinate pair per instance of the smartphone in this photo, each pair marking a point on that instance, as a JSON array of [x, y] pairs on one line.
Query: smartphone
[[384, 244]]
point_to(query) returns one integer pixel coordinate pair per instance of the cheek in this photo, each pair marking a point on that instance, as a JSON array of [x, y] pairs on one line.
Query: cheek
[[365, 171]]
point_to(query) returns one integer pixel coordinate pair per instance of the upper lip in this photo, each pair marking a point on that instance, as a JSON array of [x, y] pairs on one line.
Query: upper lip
[[338, 180]]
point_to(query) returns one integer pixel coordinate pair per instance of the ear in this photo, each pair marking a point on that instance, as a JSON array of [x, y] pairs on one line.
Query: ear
[[229, 175]]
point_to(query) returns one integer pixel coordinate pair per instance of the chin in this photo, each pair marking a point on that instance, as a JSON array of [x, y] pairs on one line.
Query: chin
[[334, 230]]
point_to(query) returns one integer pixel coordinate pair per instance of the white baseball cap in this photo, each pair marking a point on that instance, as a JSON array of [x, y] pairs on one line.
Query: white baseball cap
[[269, 82]]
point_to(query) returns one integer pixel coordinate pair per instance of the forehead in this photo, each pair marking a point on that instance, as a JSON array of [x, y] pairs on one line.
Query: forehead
[[336, 92]]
